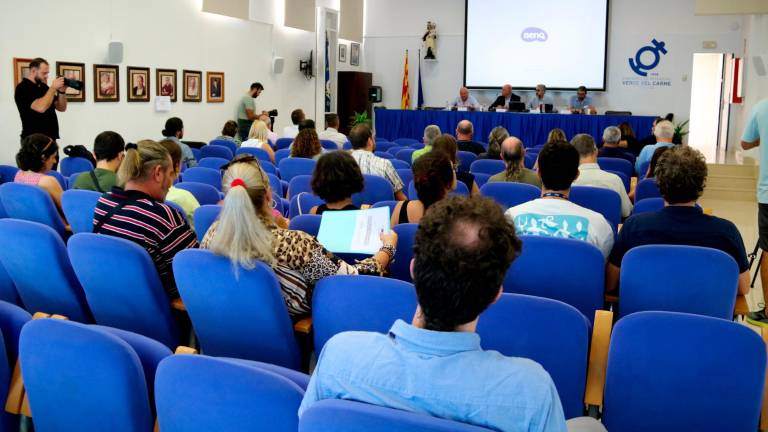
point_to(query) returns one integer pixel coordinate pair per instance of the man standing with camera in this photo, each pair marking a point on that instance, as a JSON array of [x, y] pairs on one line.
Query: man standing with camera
[[37, 103]]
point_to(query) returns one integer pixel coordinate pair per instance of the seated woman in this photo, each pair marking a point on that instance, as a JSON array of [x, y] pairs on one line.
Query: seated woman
[[556, 135], [307, 145], [433, 178], [257, 137], [447, 144], [495, 138], [183, 198], [230, 133], [37, 155], [245, 231], [650, 173], [335, 179]]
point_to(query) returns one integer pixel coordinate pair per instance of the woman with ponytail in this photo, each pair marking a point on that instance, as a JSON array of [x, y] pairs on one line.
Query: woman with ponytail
[[447, 144], [37, 156], [433, 178], [245, 231]]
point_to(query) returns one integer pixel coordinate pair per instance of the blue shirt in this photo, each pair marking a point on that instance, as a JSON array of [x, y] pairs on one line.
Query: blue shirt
[[444, 374], [186, 153], [580, 104], [646, 154], [534, 102], [757, 128]]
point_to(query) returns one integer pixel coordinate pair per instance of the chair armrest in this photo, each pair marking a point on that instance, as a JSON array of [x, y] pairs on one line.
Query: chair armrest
[[181, 349], [304, 326], [764, 410], [598, 357], [178, 304]]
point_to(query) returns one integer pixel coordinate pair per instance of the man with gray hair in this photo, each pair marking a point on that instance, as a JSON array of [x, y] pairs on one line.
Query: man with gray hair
[[664, 131], [430, 133], [464, 133], [540, 99], [611, 149], [513, 155], [590, 173]]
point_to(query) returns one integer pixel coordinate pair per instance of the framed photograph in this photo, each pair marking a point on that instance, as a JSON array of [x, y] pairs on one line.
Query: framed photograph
[[354, 54], [192, 81], [215, 86], [106, 83], [20, 69], [138, 84], [74, 71], [342, 53], [165, 80]]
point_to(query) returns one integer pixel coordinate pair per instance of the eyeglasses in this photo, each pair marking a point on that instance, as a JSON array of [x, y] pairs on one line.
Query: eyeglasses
[[249, 159]]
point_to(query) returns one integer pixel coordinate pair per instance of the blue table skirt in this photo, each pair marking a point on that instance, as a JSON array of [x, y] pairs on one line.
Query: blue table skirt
[[531, 128]]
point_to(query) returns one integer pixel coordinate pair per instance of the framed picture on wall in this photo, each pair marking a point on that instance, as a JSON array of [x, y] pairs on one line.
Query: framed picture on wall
[[215, 86], [138, 84], [342, 53], [354, 54], [192, 81], [106, 83], [165, 80], [73, 71], [20, 69]]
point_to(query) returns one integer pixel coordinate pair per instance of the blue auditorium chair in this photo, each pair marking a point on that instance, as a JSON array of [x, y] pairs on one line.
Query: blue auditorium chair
[[31, 203], [299, 184], [216, 151], [465, 160], [72, 165], [601, 200], [292, 167], [646, 205], [212, 162], [205, 215], [647, 188], [616, 164], [203, 175], [375, 189], [204, 193], [302, 203], [224, 143], [405, 155], [283, 143], [487, 166], [260, 154], [308, 223], [510, 194], [406, 237], [79, 206]]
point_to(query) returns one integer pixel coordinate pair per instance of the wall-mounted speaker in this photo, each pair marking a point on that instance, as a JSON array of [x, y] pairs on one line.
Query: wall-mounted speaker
[[277, 64], [115, 52], [374, 94]]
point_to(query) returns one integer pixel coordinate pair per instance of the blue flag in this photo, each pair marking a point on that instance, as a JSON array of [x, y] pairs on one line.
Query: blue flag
[[420, 100], [327, 76]]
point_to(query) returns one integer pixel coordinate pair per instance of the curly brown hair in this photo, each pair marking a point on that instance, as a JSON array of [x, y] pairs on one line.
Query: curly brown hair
[[681, 174], [306, 144]]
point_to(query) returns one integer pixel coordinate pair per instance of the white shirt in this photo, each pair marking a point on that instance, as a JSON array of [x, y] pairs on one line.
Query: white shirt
[[333, 135], [590, 174], [253, 142], [272, 137], [291, 131], [471, 102], [561, 218]]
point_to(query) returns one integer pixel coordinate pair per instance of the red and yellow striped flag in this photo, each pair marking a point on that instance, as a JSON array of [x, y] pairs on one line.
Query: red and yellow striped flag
[[405, 98]]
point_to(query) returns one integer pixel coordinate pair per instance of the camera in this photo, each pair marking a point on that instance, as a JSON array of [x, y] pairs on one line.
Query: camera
[[73, 84], [273, 113]]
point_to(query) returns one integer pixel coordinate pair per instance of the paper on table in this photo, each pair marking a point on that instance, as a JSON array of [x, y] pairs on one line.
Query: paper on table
[[162, 103], [353, 231]]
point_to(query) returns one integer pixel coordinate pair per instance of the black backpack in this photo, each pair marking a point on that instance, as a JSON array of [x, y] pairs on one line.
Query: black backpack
[[79, 151]]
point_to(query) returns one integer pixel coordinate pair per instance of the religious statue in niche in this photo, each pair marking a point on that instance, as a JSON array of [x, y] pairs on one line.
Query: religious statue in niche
[[430, 41]]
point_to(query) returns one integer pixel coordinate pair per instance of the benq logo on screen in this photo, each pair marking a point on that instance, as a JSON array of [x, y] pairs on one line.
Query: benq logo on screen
[[534, 34]]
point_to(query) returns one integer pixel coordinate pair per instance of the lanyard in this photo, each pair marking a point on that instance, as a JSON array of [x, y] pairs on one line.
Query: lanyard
[[555, 195]]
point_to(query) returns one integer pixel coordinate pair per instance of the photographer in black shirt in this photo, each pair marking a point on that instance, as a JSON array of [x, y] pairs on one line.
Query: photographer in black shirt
[[38, 103]]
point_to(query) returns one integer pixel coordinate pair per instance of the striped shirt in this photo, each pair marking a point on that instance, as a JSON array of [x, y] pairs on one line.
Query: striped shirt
[[374, 165], [155, 226]]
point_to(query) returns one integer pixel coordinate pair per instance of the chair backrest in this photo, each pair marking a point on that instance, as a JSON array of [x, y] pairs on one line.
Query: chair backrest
[[328, 144], [394, 149], [461, 189], [529, 160], [549, 332], [7, 173], [375, 189], [400, 164], [509, 194], [384, 145], [487, 166], [643, 169], [204, 193], [292, 167], [282, 154], [405, 154], [465, 160], [604, 201], [349, 416], [216, 151], [37, 262], [581, 285], [224, 305], [12, 319], [72, 165], [390, 204], [275, 184], [78, 206], [224, 143], [359, 303], [302, 203], [269, 167], [205, 215], [59, 178], [671, 371], [283, 143], [308, 223], [201, 393], [72, 179], [646, 205], [383, 154], [616, 164], [260, 154], [137, 303], [647, 188], [406, 236], [31, 203], [208, 176], [624, 179], [406, 175], [196, 153], [299, 184], [405, 141], [212, 162], [678, 278], [481, 179], [71, 387]]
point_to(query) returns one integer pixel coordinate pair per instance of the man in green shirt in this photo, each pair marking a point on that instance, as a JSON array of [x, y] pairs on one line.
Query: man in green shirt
[[246, 110], [109, 150], [430, 133], [513, 155]]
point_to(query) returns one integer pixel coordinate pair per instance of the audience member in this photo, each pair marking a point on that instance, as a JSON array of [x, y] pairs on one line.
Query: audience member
[[331, 132], [581, 102], [245, 231], [505, 98], [513, 155], [628, 141], [307, 124], [271, 135], [650, 139], [306, 145], [464, 133], [651, 173], [297, 116], [540, 99], [664, 131], [230, 133], [611, 138], [433, 179], [246, 109], [553, 215], [495, 138], [465, 100], [258, 138], [448, 145], [590, 173], [37, 156], [335, 179], [174, 130], [109, 150], [681, 175], [430, 133], [137, 212], [462, 252], [556, 135], [363, 146], [183, 198]]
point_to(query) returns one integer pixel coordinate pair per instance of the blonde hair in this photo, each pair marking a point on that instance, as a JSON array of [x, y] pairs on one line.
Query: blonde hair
[[243, 233], [556, 135], [259, 131], [140, 161]]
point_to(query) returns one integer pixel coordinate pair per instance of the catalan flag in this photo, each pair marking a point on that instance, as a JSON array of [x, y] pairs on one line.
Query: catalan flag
[[405, 99]]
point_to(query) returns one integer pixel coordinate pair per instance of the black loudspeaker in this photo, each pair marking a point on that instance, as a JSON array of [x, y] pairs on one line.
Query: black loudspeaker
[[374, 94]]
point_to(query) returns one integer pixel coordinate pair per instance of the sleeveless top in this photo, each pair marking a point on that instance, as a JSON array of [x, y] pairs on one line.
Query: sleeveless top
[[403, 216], [30, 178], [324, 208]]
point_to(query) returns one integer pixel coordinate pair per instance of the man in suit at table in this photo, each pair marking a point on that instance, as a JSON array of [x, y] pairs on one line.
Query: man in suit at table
[[505, 98]]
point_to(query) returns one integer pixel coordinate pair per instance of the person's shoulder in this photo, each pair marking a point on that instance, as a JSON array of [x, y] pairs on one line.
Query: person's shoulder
[[522, 374]]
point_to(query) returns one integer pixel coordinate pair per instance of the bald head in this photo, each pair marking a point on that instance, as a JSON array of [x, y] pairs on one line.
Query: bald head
[[506, 91], [512, 150], [464, 93], [464, 130]]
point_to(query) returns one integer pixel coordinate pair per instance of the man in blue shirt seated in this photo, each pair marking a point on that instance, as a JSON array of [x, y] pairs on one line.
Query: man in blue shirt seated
[[681, 174], [664, 132], [581, 103], [435, 365]]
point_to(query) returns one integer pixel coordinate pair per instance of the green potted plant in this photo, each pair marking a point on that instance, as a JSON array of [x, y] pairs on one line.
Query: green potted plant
[[681, 131], [359, 118]]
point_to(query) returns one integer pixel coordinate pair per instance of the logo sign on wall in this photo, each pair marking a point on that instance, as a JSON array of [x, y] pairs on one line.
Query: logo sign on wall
[[534, 34], [646, 59]]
